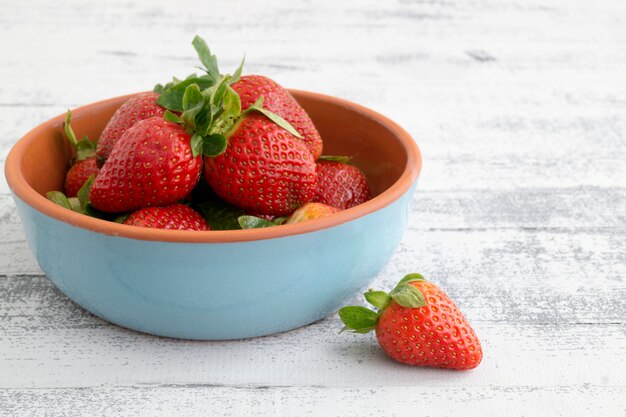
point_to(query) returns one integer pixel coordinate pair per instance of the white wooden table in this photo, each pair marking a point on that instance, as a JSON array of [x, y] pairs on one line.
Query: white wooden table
[[519, 107]]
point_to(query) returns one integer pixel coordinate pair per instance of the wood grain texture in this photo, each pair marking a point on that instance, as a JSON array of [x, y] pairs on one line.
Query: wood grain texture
[[520, 111], [50, 344], [188, 401]]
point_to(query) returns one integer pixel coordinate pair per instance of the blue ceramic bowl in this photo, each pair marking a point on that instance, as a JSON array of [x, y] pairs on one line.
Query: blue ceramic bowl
[[218, 284]]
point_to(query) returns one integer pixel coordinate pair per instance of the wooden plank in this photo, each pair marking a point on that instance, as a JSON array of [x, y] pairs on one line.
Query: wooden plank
[[545, 277], [511, 119], [50, 342], [182, 401], [520, 213]]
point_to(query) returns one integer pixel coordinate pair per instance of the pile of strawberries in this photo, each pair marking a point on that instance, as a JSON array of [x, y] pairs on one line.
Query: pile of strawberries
[[220, 152], [209, 152]]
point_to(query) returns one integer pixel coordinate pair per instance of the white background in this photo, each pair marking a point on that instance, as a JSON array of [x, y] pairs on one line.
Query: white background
[[519, 108]]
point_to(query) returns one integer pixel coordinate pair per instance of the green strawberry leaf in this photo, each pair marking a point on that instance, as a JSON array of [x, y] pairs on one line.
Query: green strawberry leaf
[[221, 215], [189, 117], [121, 218], [171, 117], [75, 203], [334, 158], [232, 103], [172, 97], [378, 299], [80, 204], [279, 220], [197, 144], [217, 93], [411, 277], [408, 296], [83, 193], [194, 106], [252, 222], [208, 60], [91, 211], [59, 199], [159, 88], [237, 74], [85, 149], [204, 120], [358, 319], [214, 145], [192, 96], [258, 106]]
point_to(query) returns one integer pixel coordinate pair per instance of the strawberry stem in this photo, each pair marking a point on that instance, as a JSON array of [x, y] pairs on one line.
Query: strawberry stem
[[84, 148], [69, 132]]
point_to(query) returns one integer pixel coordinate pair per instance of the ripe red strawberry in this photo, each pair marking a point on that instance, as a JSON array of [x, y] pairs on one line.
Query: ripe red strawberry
[[311, 211], [84, 162], [417, 324], [278, 100], [254, 158], [264, 168], [151, 165], [175, 216], [78, 174], [142, 106], [340, 184]]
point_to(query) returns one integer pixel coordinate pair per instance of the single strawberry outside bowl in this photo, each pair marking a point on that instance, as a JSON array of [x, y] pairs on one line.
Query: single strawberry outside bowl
[[218, 284]]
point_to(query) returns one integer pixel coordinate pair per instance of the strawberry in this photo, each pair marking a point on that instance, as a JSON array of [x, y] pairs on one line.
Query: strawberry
[[264, 169], [140, 107], [250, 89], [311, 211], [279, 101], [417, 324], [340, 184], [152, 164], [175, 216], [78, 174], [84, 162], [254, 158]]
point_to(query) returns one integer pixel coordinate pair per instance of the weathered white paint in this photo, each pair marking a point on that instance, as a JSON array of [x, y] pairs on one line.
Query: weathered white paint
[[520, 111], [263, 401]]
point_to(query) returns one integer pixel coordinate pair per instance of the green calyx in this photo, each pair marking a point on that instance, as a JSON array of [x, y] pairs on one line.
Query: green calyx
[[358, 319], [79, 204], [59, 199], [207, 106], [253, 222], [84, 148], [222, 216], [207, 115]]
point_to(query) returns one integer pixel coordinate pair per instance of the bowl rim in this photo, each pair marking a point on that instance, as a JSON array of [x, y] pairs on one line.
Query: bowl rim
[[23, 191]]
